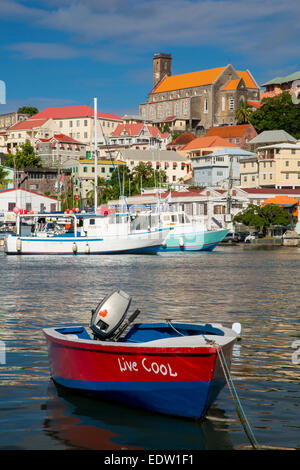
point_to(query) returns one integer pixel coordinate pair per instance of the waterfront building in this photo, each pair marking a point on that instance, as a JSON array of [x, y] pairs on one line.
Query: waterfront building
[[198, 100], [240, 134], [26, 200], [208, 205]]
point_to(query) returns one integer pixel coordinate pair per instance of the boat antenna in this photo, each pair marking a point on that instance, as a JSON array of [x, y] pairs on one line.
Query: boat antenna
[[95, 153]]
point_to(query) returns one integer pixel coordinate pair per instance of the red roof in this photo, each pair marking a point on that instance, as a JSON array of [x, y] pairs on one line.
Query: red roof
[[61, 138], [60, 112], [28, 124], [28, 191], [271, 190], [229, 131], [135, 130]]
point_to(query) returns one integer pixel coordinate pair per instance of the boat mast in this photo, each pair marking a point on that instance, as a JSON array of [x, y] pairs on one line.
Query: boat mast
[[95, 153]]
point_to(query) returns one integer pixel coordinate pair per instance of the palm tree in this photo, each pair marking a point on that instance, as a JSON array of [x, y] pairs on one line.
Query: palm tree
[[3, 177], [243, 114]]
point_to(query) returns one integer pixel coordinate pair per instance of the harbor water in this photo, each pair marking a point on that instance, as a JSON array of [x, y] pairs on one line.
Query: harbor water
[[257, 287]]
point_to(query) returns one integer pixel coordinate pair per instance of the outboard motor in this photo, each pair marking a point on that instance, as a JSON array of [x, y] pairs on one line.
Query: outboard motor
[[110, 314]]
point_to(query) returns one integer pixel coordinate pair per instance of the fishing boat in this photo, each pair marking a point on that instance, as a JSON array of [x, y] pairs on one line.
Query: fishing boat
[[167, 367], [187, 235], [83, 234]]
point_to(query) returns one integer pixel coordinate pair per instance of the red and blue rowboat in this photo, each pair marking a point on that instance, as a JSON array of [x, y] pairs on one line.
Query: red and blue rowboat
[[173, 368]]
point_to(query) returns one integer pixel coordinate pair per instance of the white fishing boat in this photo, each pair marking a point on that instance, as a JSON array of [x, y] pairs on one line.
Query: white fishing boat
[[83, 234]]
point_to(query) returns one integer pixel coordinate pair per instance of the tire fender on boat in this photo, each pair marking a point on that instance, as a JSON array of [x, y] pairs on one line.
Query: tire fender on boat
[[181, 241], [87, 249], [19, 244], [74, 248]]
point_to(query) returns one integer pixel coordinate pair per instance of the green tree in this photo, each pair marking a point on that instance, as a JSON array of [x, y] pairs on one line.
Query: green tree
[[31, 110], [243, 114], [263, 217], [3, 177], [104, 192], [25, 157], [278, 113]]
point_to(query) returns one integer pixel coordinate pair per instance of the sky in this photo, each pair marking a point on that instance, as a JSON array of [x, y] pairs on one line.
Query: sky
[[66, 52]]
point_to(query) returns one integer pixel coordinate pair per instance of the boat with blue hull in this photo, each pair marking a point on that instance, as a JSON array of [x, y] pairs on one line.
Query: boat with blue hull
[[167, 367], [82, 234]]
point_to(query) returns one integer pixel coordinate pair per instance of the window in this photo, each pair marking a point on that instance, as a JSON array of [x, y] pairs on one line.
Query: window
[[77, 123], [60, 123], [223, 103], [85, 169], [287, 163], [205, 105], [176, 108], [253, 178], [11, 206], [159, 111], [231, 102], [85, 123], [185, 107], [293, 151], [71, 123], [287, 176], [85, 135]]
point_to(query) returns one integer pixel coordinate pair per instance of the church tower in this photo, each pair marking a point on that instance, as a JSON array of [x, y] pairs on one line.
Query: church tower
[[161, 67]]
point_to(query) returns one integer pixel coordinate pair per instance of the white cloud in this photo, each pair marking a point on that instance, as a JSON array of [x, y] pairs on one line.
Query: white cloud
[[110, 30]]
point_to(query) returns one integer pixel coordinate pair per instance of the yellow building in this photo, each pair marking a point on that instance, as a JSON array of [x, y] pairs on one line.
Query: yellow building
[[276, 166], [86, 173]]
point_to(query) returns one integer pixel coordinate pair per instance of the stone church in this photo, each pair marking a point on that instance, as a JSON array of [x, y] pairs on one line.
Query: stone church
[[197, 101]]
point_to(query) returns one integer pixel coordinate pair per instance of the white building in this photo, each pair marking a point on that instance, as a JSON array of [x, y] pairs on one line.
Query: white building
[[27, 200]]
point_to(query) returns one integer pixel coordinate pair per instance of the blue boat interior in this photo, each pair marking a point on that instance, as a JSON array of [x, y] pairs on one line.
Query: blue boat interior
[[144, 332]]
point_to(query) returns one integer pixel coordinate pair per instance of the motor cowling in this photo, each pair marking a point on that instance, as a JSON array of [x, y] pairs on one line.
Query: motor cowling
[[110, 314]]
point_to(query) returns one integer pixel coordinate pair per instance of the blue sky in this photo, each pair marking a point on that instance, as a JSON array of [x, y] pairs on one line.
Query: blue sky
[[65, 52]]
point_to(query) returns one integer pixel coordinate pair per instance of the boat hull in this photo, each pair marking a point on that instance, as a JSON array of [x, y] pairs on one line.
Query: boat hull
[[134, 243], [181, 381], [194, 241]]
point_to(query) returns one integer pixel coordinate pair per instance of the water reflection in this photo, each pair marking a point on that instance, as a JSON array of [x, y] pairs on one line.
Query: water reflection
[[87, 423]]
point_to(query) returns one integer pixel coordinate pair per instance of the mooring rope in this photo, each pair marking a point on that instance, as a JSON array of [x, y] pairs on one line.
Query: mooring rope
[[239, 409]]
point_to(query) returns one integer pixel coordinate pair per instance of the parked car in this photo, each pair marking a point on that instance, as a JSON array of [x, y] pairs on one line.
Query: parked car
[[231, 237], [251, 236], [242, 236]]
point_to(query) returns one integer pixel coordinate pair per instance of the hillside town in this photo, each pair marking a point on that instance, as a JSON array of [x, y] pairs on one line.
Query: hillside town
[[194, 140]]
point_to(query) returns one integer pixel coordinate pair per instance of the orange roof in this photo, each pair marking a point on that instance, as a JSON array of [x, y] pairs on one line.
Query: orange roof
[[188, 80], [249, 81], [281, 201], [200, 78], [232, 84], [210, 141], [228, 131], [255, 104]]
